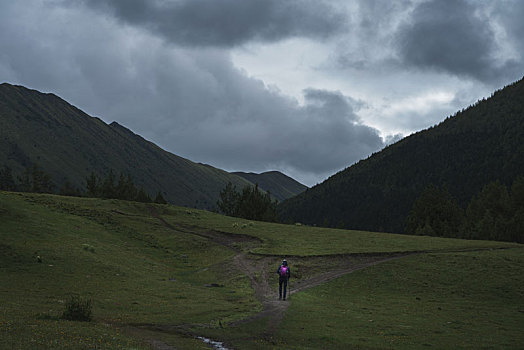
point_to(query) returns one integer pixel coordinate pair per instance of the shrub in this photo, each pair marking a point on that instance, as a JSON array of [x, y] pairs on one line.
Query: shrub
[[88, 247], [78, 309]]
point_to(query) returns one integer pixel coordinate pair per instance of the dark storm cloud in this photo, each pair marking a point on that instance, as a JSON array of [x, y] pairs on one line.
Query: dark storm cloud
[[226, 23], [458, 37], [473, 40], [511, 19], [264, 130], [331, 116], [164, 69], [191, 101]]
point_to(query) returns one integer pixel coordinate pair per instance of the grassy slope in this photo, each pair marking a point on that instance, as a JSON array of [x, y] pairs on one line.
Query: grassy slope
[[69, 144], [293, 240], [469, 300], [129, 274]]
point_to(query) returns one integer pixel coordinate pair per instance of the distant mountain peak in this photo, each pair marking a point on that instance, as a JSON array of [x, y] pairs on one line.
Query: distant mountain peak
[[278, 184]]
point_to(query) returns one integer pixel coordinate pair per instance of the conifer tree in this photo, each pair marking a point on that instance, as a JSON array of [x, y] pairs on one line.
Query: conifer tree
[[36, 180], [108, 186], [25, 181], [517, 205], [120, 187], [435, 213], [7, 182], [93, 185], [142, 196], [229, 200], [159, 198], [489, 213], [129, 188]]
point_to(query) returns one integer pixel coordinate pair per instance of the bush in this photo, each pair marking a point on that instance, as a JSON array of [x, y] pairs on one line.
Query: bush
[[88, 247], [78, 309]]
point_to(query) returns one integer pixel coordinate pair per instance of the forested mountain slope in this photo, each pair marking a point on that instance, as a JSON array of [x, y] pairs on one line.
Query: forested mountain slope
[[68, 144], [279, 185], [476, 146]]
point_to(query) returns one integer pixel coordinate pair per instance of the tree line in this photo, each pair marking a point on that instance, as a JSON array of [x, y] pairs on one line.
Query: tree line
[[250, 203], [124, 188], [467, 151], [34, 179], [495, 213]]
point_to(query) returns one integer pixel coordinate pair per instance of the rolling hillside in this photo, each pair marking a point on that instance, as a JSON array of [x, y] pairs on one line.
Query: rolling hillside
[[478, 145], [69, 144], [279, 185], [166, 277]]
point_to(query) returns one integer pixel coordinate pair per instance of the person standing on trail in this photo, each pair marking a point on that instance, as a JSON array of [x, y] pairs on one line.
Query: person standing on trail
[[283, 276]]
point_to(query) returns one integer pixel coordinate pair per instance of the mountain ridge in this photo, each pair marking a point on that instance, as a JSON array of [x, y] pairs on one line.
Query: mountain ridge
[[41, 128], [477, 145], [278, 184]]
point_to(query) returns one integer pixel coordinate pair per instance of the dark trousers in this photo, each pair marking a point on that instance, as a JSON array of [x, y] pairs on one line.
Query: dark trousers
[[282, 281]]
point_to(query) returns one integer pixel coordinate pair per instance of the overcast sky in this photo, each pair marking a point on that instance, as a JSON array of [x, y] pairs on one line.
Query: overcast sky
[[306, 87]]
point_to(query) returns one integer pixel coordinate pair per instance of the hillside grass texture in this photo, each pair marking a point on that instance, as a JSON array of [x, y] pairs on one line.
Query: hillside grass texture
[[157, 280]]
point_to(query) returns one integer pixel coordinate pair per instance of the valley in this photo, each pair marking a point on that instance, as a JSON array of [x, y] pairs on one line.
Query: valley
[[160, 276]]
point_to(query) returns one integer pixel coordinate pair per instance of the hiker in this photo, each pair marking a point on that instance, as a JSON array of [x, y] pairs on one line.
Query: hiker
[[283, 276]]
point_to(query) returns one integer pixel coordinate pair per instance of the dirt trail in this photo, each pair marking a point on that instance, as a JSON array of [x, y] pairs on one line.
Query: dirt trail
[[261, 271], [226, 239], [275, 309]]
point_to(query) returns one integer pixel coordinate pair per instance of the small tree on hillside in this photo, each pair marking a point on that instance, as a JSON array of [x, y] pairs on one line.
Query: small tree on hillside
[[142, 196], [36, 180], [93, 185], [7, 182], [256, 205], [159, 198], [229, 200], [108, 189], [435, 213], [517, 205], [41, 180], [25, 181], [489, 214], [126, 189]]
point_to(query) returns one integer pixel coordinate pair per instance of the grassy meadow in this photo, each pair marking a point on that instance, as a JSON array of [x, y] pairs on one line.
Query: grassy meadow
[[156, 281], [441, 300]]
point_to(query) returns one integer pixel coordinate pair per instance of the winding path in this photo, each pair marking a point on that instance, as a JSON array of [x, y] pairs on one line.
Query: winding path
[[262, 266]]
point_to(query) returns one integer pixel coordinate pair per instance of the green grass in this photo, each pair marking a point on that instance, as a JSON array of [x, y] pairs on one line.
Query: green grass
[[141, 274], [472, 300], [293, 240], [139, 271]]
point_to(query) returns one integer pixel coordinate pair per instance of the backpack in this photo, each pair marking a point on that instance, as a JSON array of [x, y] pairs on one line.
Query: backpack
[[283, 271]]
